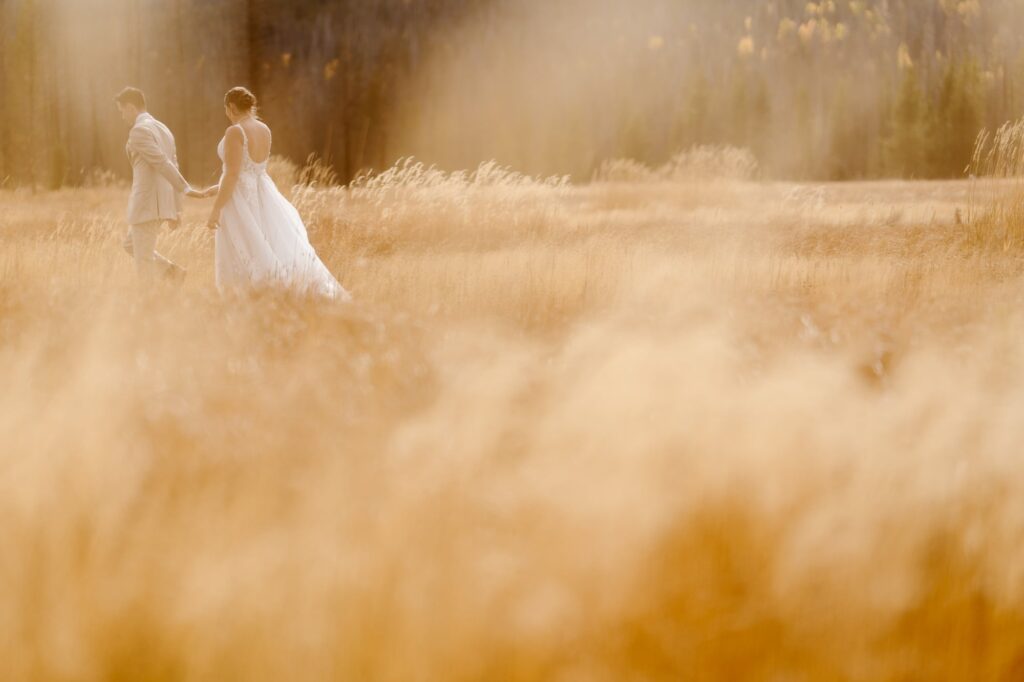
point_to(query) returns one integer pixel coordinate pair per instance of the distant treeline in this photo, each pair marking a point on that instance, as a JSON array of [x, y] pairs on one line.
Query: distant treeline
[[827, 90], [325, 73]]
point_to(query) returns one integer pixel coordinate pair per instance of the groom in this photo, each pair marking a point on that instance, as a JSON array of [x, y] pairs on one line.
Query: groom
[[157, 186]]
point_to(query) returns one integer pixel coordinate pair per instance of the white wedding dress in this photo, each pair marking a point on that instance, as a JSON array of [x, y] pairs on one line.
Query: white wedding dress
[[262, 241]]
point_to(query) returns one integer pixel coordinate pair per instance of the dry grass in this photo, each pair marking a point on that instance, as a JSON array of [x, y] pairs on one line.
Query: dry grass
[[656, 430]]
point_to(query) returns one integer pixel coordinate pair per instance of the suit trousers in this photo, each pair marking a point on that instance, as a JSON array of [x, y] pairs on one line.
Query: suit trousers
[[140, 243]]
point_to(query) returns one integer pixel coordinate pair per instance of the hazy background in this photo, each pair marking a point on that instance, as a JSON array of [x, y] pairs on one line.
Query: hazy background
[[822, 90]]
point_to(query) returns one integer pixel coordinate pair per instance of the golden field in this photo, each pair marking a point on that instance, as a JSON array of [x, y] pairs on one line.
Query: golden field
[[644, 428]]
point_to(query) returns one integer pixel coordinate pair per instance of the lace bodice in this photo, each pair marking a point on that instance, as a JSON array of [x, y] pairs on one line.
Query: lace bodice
[[251, 171]]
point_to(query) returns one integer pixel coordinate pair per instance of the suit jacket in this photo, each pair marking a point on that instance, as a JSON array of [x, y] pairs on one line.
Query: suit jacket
[[157, 186]]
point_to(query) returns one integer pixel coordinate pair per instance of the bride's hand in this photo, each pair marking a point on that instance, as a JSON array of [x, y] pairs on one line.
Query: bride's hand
[[213, 221], [201, 193]]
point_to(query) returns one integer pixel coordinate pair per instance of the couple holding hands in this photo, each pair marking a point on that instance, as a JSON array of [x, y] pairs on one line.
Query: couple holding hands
[[260, 239]]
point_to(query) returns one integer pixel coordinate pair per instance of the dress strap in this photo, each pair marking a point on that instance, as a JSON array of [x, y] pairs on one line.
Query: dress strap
[[245, 138]]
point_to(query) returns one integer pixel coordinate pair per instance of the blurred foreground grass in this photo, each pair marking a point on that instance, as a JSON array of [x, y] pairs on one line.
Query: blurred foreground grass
[[646, 428]]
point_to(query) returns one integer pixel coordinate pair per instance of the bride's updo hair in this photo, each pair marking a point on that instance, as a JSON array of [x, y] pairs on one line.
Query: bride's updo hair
[[242, 99]]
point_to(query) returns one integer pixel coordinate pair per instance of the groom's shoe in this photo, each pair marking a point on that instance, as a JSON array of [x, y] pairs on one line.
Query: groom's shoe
[[176, 274]]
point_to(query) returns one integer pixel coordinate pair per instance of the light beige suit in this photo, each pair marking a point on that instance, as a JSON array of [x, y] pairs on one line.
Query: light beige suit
[[157, 191]]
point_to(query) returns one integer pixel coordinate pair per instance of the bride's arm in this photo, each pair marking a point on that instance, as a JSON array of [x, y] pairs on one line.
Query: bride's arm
[[232, 168]]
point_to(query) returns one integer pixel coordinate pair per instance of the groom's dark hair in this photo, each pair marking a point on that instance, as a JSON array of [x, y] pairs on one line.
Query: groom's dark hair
[[132, 96]]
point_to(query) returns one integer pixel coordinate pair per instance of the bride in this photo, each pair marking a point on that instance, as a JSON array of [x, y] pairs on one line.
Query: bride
[[260, 238]]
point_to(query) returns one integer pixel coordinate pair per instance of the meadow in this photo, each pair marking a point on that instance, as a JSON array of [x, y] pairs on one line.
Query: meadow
[[668, 424]]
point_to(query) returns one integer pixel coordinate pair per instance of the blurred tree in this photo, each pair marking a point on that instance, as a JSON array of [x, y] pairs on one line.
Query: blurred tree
[[956, 119], [906, 144], [812, 87]]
